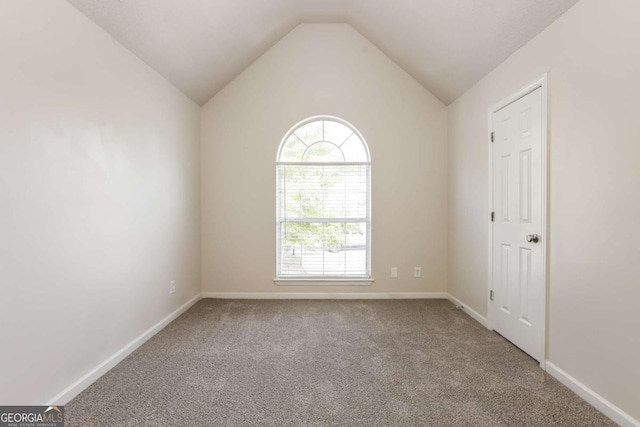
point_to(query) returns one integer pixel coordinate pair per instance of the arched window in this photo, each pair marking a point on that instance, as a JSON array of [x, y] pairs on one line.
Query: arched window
[[323, 202]]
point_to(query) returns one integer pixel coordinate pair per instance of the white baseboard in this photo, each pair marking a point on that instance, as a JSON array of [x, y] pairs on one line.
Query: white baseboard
[[597, 401], [77, 387], [471, 312], [325, 295]]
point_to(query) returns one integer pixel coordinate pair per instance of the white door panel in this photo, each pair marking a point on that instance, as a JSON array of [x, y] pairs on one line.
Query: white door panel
[[518, 269]]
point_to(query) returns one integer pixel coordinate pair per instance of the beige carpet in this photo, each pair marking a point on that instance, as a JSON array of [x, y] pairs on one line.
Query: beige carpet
[[328, 363]]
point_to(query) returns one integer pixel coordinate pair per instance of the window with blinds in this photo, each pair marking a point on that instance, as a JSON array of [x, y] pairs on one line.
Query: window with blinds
[[323, 202]]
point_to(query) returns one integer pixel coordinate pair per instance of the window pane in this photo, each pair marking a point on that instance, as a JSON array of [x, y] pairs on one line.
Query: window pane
[[293, 150], [323, 249], [311, 132], [354, 150], [323, 152], [336, 132], [323, 191]]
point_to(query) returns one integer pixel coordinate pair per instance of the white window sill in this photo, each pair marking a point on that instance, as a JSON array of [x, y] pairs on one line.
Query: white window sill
[[303, 281]]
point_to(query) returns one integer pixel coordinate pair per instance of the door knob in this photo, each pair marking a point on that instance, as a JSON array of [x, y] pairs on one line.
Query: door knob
[[532, 238]]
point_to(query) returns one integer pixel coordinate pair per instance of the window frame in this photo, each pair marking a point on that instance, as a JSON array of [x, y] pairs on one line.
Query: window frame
[[349, 280]]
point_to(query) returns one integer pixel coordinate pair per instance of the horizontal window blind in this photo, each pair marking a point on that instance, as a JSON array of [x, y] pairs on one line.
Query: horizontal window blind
[[323, 220]]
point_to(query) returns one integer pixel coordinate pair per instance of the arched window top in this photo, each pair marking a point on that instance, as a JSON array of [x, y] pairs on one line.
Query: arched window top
[[323, 139]]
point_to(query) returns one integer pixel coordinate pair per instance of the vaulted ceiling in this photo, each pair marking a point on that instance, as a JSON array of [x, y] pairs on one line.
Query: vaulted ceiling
[[201, 45]]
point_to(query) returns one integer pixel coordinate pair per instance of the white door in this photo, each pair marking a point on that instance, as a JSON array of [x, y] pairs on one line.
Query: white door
[[518, 304]]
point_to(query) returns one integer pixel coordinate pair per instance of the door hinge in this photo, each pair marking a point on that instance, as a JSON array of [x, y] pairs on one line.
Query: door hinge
[[491, 295], [492, 136], [493, 216]]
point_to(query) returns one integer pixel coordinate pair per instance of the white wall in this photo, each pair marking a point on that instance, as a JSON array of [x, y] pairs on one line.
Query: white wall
[[323, 69], [99, 198], [592, 54]]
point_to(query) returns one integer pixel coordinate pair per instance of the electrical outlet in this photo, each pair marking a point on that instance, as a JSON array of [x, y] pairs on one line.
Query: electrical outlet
[[172, 287], [394, 272], [417, 272]]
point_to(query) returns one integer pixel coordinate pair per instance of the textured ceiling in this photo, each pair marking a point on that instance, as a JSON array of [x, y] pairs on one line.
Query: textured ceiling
[[201, 45]]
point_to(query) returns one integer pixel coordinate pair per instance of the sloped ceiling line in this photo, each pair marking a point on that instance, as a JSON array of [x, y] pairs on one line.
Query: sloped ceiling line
[[201, 45]]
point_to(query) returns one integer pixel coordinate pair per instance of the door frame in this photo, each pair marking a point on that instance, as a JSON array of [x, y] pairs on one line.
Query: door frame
[[540, 83]]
